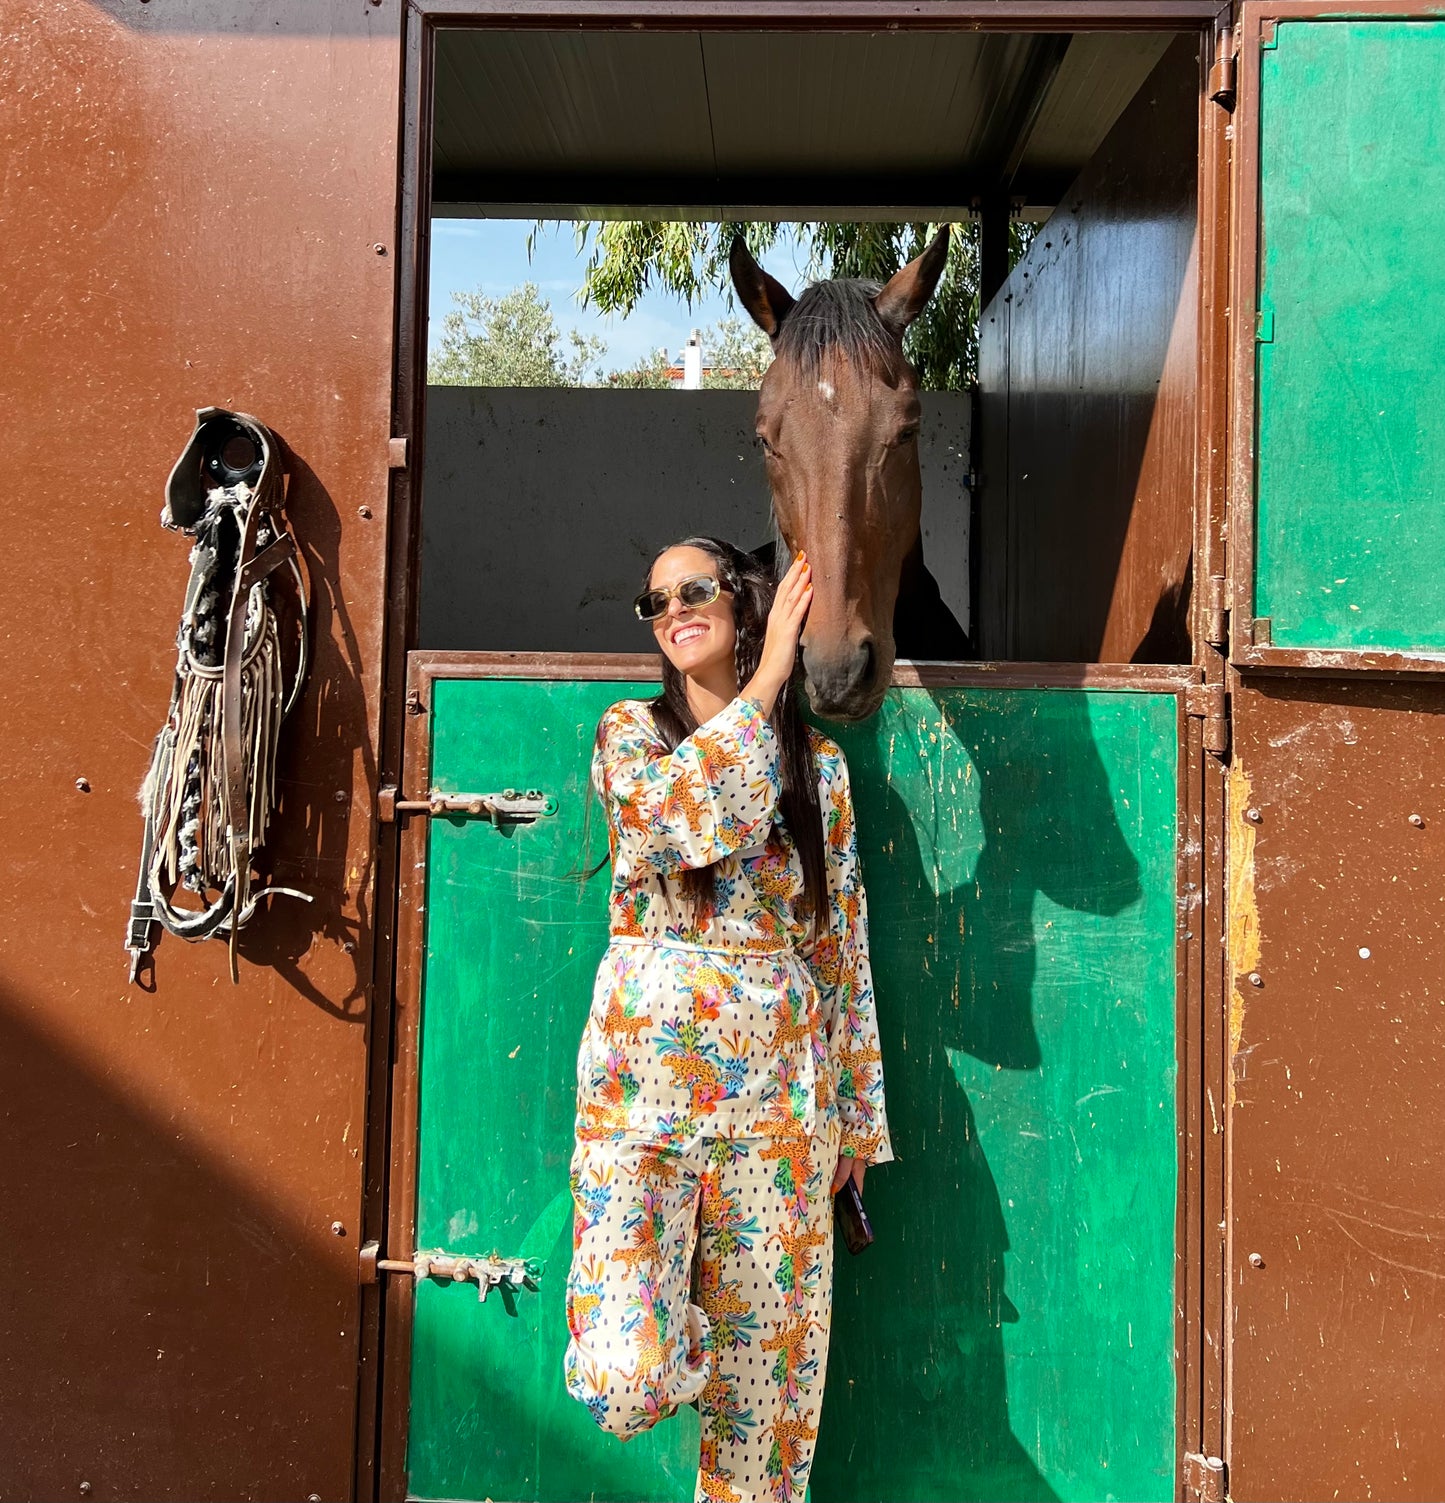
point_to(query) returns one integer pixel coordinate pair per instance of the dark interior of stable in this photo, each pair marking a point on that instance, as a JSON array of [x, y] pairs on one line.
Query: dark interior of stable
[[1070, 507]]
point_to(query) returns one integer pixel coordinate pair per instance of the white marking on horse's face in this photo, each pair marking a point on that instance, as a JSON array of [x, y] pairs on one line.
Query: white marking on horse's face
[[826, 388]]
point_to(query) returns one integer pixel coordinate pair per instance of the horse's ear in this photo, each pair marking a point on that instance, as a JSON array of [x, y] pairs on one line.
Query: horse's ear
[[902, 300], [768, 302]]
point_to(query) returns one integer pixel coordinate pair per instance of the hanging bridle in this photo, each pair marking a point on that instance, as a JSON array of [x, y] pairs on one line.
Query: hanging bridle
[[211, 789]]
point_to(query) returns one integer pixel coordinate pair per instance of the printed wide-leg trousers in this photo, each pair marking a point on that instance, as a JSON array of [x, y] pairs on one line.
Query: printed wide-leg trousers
[[706, 1273]]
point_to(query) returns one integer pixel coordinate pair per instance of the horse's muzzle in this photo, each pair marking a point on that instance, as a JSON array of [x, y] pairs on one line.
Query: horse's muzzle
[[844, 685]]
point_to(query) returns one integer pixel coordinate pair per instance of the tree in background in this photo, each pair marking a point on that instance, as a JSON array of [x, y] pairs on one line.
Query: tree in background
[[735, 353], [650, 375], [629, 256], [511, 341]]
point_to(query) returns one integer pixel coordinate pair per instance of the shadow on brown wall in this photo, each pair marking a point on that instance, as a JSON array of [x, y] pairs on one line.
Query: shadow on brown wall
[[149, 1304], [327, 730]]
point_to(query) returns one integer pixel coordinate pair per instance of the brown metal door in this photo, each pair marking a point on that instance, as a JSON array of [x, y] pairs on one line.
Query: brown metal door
[[200, 207], [1336, 1314]]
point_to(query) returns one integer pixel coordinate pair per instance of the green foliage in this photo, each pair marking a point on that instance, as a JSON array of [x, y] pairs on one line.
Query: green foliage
[[737, 353], [511, 341], [734, 351], [651, 375], [630, 257]]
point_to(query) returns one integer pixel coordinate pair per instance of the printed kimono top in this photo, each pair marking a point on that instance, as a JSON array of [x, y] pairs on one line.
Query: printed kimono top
[[746, 1020]]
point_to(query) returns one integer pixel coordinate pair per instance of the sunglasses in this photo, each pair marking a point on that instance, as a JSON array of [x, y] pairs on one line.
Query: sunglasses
[[694, 592]]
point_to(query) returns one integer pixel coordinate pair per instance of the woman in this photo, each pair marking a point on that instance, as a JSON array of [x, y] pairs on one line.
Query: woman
[[729, 1076]]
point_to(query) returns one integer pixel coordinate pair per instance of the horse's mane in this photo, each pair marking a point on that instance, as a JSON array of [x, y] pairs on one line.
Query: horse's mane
[[839, 316]]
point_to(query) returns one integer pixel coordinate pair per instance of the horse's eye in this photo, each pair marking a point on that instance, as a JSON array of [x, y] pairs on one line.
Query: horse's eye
[[768, 449], [903, 436]]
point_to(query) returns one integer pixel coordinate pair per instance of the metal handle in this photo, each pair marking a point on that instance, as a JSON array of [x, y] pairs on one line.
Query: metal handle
[[507, 1275], [509, 807]]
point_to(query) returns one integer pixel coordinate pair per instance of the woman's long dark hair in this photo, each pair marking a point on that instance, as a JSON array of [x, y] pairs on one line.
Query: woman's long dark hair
[[752, 589]]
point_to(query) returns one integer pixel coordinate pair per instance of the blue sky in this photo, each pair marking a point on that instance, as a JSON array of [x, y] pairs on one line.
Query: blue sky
[[490, 255]]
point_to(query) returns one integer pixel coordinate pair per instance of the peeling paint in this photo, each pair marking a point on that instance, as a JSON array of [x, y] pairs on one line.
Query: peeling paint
[[1243, 906]]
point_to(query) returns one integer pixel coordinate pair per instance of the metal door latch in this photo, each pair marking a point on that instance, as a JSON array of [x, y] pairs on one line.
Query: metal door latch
[[509, 807], [509, 1276], [1205, 1477]]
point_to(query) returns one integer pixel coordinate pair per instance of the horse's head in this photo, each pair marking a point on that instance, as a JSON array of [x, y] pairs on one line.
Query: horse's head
[[838, 419]]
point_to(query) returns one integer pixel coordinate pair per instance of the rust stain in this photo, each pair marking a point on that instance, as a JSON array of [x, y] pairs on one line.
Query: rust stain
[[1243, 906]]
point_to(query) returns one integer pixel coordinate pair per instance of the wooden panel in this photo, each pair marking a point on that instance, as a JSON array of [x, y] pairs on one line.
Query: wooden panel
[[1012, 1335], [512, 946], [192, 195], [1087, 523], [1337, 1325], [1018, 1314], [1351, 359]]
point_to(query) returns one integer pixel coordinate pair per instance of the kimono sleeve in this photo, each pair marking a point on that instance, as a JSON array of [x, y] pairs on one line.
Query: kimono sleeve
[[844, 973], [672, 811]]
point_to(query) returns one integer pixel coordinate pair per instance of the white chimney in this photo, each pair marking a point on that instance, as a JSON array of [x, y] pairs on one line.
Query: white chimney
[[692, 362]]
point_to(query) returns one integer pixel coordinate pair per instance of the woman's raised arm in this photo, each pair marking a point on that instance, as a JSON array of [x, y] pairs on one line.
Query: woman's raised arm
[[670, 811]]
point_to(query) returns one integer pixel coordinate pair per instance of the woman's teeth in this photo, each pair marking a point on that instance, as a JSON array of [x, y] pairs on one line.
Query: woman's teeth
[[688, 634]]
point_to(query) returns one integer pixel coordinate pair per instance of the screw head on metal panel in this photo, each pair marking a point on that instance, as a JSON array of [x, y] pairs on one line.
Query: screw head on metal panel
[[379, 248], [1255, 979], [1253, 816], [1418, 820], [340, 795], [85, 1489], [82, 785], [337, 1229], [1256, 1260], [364, 512]]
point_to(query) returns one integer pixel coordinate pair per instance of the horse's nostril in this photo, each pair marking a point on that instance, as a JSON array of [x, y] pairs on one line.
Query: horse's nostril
[[870, 659]]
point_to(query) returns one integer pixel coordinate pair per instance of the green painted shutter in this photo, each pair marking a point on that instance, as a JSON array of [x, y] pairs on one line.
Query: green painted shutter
[[1351, 335]]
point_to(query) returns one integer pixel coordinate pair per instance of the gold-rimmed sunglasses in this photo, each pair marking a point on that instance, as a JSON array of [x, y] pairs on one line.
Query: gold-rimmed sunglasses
[[694, 592]]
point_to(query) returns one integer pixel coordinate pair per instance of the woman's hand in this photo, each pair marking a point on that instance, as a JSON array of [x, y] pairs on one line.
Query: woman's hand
[[849, 1166], [780, 643]]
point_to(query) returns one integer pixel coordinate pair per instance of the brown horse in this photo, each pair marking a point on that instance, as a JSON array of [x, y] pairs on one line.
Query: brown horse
[[838, 417]]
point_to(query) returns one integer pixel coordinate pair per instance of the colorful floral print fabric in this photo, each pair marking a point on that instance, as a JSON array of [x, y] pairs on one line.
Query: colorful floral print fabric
[[744, 1017], [729, 1057], [705, 1274]]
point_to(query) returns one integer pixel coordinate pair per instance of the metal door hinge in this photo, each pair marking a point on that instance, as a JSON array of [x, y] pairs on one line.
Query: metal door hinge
[[1205, 1477], [507, 1275], [1210, 703], [1216, 611], [1221, 73], [509, 807]]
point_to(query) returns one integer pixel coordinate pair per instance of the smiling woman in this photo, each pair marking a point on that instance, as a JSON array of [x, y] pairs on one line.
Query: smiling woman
[[728, 1076]]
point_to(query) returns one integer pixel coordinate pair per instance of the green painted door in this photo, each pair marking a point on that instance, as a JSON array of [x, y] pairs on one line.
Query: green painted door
[[1011, 1334], [1351, 338]]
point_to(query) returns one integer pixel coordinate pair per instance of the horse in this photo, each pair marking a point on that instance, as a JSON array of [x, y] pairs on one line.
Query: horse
[[838, 415]]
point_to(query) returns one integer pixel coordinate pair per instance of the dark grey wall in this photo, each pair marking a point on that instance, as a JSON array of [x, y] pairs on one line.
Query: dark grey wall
[[542, 507]]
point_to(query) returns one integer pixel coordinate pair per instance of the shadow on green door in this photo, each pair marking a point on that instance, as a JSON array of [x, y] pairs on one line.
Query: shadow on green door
[[1010, 1335]]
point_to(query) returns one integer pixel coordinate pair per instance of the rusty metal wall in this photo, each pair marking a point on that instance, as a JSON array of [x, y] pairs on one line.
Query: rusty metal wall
[[200, 206], [1089, 380], [1337, 1245]]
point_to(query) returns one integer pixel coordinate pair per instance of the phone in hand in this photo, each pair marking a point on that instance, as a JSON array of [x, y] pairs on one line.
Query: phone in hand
[[853, 1220]]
